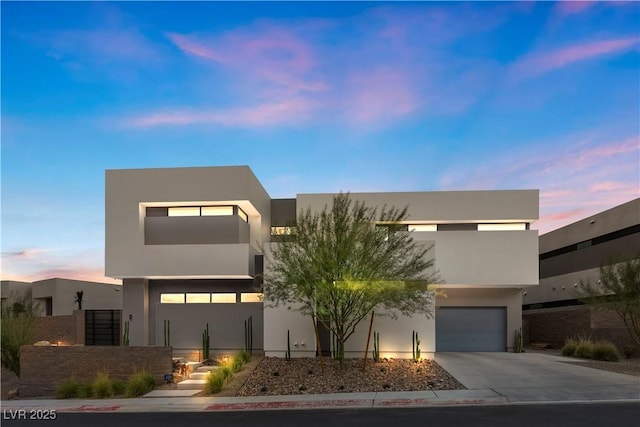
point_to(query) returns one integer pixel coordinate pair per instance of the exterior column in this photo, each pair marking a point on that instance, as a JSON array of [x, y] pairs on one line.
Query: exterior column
[[135, 310]]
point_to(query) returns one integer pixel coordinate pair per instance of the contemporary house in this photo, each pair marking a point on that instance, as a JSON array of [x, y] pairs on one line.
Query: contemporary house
[[188, 244], [56, 296], [553, 311]]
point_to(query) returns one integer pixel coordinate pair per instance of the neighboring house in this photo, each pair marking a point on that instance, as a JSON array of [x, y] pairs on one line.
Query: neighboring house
[[10, 290], [552, 311], [56, 297], [188, 244]]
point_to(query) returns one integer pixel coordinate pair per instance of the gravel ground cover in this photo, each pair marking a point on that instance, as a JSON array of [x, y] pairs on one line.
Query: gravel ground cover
[[277, 376]]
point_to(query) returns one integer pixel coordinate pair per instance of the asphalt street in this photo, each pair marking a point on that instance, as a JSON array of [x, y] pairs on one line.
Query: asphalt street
[[565, 415]]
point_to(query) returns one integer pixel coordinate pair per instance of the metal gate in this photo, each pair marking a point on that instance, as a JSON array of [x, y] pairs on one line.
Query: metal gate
[[102, 327]]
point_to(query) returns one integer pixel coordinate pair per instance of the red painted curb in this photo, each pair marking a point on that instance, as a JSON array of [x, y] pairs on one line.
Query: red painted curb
[[282, 405], [87, 408]]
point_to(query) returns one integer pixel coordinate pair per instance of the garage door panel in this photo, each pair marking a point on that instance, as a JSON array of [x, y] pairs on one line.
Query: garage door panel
[[471, 329]]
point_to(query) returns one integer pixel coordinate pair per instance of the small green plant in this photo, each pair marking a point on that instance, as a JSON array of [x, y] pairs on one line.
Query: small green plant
[[604, 350], [68, 389], [248, 336], [376, 346], [118, 387], [569, 348], [206, 343], [287, 355], [415, 346], [101, 386], [237, 364], [85, 390], [226, 372], [140, 384], [214, 383], [167, 333], [244, 356], [518, 343], [125, 337], [629, 352], [584, 350]]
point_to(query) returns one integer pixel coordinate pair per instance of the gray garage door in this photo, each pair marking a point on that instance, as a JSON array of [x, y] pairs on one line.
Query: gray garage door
[[471, 329]]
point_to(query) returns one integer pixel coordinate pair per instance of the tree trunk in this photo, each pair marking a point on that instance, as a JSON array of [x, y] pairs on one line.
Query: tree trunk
[[366, 350], [318, 346]]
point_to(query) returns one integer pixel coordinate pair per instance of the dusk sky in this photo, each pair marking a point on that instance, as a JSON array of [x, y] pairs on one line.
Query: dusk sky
[[314, 97]]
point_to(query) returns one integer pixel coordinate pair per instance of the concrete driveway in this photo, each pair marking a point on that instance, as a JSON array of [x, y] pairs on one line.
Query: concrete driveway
[[532, 377]]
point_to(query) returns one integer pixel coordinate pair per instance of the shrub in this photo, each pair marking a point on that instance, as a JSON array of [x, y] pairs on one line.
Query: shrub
[[237, 364], [140, 384], [629, 352], [604, 350], [243, 355], [214, 382], [569, 348], [584, 350], [226, 373], [101, 386], [68, 389], [85, 390], [118, 387]]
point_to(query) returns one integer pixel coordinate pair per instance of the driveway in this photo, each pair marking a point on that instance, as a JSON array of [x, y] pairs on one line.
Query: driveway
[[529, 377]]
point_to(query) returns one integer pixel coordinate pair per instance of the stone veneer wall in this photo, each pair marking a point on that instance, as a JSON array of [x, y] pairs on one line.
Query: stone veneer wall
[[68, 330], [555, 325], [42, 369]]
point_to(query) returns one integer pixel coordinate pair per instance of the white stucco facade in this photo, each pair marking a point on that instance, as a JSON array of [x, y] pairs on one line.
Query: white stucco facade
[[485, 269]]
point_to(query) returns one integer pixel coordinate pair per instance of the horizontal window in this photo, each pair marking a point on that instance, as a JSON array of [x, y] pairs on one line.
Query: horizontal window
[[422, 227], [229, 298], [251, 297], [184, 211], [172, 298], [198, 298], [282, 231], [516, 226], [217, 210]]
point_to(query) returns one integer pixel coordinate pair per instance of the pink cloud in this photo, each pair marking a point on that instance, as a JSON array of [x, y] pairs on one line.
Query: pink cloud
[[264, 54], [289, 111], [586, 176], [22, 254], [573, 7], [543, 62], [379, 94]]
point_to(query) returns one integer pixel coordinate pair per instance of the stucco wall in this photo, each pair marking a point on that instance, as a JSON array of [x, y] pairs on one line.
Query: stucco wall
[[129, 191], [96, 296]]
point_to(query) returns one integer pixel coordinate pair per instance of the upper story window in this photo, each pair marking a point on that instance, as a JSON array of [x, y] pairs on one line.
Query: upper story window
[[514, 226], [198, 211], [422, 227], [184, 211]]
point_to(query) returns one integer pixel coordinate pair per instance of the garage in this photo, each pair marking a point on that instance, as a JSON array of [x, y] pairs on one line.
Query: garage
[[471, 328]]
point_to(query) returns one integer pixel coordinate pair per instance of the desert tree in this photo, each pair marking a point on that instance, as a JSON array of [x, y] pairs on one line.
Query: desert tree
[[618, 289], [18, 314], [347, 260]]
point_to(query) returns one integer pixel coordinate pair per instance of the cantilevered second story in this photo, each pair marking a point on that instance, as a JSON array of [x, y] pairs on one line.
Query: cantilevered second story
[[205, 222]]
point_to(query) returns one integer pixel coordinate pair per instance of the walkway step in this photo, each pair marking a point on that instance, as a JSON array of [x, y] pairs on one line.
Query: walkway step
[[206, 368], [191, 385], [199, 375]]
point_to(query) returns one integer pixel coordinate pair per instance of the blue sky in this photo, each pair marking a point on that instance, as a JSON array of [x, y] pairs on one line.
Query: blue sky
[[314, 97]]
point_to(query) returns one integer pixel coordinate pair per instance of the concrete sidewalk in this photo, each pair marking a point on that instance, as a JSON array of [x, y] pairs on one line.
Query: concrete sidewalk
[[338, 400]]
